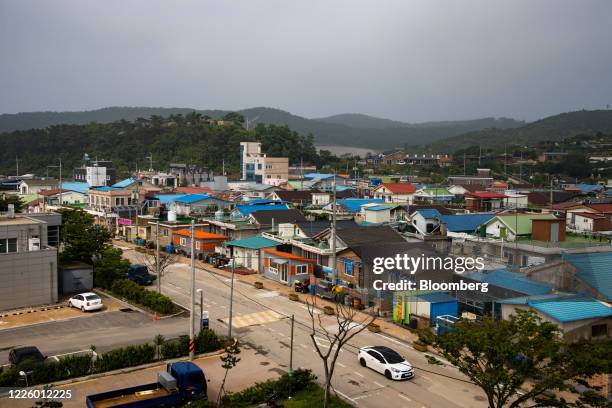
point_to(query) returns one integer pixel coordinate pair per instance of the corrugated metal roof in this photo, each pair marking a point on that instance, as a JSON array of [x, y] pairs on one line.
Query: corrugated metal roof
[[429, 213], [465, 222], [436, 297], [377, 208], [569, 310], [79, 187], [191, 198], [511, 280], [124, 183], [256, 242], [247, 209], [354, 204], [595, 269], [168, 198]]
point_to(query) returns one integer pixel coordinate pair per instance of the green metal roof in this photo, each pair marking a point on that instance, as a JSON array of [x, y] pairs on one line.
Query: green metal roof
[[256, 242], [521, 224]]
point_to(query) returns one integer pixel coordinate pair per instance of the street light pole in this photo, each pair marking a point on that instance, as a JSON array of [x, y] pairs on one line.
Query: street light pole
[[157, 271], [191, 316], [232, 260], [201, 292]]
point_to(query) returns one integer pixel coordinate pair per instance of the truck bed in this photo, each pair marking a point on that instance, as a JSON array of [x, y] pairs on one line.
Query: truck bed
[[127, 396]]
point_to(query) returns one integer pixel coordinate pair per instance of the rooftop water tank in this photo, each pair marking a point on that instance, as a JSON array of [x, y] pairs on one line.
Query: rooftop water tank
[[219, 214], [172, 216]]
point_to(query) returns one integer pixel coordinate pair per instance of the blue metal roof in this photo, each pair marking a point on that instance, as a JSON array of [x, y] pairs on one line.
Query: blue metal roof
[[344, 188], [317, 176], [78, 186], [248, 209], [354, 204], [378, 208], [107, 188], [595, 269], [511, 280], [429, 213], [125, 183], [564, 308], [436, 297], [465, 222], [192, 198], [256, 242], [260, 201], [168, 198]]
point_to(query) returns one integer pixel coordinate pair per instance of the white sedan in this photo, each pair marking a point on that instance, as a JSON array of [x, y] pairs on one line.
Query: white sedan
[[86, 301], [386, 361]]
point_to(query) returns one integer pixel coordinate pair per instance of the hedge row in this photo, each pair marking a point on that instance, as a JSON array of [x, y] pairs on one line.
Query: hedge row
[[133, 292], [130, 356]]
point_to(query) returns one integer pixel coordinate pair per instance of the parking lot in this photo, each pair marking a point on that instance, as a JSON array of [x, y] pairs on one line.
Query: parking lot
[[51, 313]]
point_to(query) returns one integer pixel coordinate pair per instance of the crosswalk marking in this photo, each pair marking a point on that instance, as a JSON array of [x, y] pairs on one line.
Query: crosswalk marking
[[254, 319]]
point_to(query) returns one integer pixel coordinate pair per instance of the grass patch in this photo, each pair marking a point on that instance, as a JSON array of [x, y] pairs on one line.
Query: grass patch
[[312, 396]]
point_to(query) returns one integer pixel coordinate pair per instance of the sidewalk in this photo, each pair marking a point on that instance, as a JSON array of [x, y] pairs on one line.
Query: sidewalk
[[386, 327]]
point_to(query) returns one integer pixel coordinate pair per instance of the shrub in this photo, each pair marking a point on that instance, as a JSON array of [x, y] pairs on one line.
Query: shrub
[[207, 341], [426, 336], [176, 348], [8, 377], [67, 367], [260, 392], [135, 293], [125, 357]]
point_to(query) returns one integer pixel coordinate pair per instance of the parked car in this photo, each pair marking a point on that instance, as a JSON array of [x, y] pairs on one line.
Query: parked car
[[86, 302], [140, 274], [20, 354], [386, 361]]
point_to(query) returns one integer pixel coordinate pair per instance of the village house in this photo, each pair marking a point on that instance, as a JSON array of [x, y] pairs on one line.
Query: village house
[[395, 192]]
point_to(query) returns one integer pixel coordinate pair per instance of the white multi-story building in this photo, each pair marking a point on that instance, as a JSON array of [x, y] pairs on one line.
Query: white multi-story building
[[255, 166]]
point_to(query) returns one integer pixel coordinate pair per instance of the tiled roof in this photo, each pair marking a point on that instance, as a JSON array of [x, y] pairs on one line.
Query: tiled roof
[[192, 190], [199, 234], [603, 208], [485, 194], [287, 255], [399, 188], [52, 192]]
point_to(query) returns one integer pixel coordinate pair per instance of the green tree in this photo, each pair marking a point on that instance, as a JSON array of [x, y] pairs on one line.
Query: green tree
[[234, 117], [229, 360], [522, 353], [6, 199], [81, 239], [109, 267]]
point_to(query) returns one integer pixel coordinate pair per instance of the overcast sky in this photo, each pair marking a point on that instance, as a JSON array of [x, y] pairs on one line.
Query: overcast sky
[[405, 60]]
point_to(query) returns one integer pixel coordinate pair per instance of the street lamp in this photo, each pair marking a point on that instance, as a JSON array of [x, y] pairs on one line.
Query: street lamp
[[201, 293]]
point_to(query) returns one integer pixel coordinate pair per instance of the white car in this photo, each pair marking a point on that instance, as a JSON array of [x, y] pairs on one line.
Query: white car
[[86, 301], [386, 361]]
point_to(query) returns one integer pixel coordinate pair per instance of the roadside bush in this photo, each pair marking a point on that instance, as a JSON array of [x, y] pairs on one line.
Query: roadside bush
[[174, 349], [67, 367], [125, 357], [8, 377], [261, 392], [135, 293], [207, 341]]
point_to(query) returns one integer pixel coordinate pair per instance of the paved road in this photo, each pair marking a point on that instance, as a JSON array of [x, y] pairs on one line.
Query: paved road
[[433, 386]]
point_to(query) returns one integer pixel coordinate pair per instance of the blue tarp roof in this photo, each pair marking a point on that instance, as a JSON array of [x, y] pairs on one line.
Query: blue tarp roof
[[354, 204], [78, 186], [511, 280], [248, 209], [436, 297], [191, 198], [465, 222], [125, 183], [565, 308], [256, 242], [429, 213], [595, 270], [589, 188]]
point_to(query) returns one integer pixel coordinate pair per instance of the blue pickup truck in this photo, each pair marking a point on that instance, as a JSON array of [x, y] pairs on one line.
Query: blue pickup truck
[[180, 383], [140, 274]]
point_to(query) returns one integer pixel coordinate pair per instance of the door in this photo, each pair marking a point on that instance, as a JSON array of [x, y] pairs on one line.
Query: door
[[376, 361], [554, 232], [77, 301], [283, 272]]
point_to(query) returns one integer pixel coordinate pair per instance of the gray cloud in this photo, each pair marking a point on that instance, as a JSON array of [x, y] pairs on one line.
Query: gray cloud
[[407, 60]]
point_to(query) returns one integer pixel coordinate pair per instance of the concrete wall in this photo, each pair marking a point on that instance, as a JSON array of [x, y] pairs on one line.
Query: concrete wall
[[28, 278]]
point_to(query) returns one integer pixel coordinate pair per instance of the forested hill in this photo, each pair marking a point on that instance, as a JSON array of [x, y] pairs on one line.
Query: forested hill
[[190, 139], [553, 128], [345, 130]]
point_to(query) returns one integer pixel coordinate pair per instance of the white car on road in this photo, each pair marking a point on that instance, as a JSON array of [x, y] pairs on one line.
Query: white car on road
[[86, 301], [386, 361]]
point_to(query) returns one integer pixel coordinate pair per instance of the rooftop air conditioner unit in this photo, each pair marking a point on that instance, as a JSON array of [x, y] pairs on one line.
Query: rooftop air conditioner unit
[[34, 244]]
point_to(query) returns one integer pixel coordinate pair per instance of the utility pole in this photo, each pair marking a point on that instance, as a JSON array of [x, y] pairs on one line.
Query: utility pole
[[191, 316], [17, 165], [551, 194], [157, 271], [333, 231], [479, 154], [505, 160], [464, 164], [229, 334], [291, 353], [201, 292], [60, 182]]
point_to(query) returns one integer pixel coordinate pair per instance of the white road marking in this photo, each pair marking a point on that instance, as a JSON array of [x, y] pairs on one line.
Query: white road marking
[[341, 365], [402, 396], [303, 346], [346, 396], [357, 373], [378, 384]]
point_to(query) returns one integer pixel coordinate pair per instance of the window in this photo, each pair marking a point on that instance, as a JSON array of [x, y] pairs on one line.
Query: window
[[301, 269], [183, 241], [8, 245], [197, 245], [377, 356], [599, 330]]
